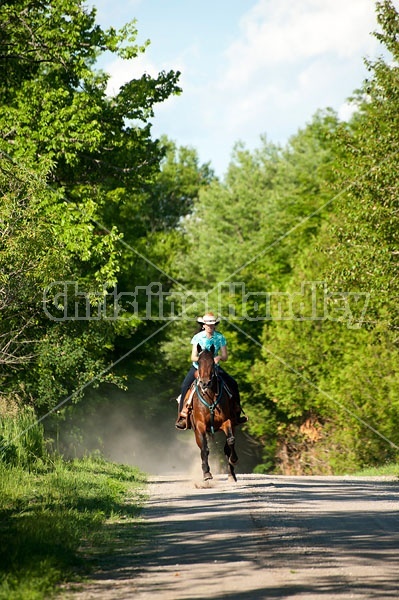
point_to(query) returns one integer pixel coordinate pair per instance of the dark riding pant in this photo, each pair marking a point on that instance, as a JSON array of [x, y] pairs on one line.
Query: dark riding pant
[[185, 386], [231, 384]]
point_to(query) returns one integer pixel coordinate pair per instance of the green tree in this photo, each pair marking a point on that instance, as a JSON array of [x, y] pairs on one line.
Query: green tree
[[75, 151], [332, 383], [321, 393], [237, 235], [366, 232]]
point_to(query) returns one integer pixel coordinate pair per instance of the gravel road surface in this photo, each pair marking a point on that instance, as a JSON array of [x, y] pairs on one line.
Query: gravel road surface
[[262, 537]]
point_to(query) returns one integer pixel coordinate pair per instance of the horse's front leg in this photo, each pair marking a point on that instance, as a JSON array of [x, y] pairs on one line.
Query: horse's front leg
[[230, 450], [202, 443]]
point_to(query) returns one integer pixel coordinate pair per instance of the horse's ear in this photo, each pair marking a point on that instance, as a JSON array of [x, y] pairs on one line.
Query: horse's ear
[[212, 349], [199, 348]]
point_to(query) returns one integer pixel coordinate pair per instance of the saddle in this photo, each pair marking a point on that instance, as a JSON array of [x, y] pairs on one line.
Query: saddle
[[189, 402], [188, 405]]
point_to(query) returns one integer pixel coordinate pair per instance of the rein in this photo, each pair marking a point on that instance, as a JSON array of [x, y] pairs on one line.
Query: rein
[[214, 404]]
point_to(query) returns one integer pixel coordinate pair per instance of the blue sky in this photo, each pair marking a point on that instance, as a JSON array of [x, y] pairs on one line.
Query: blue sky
[[249, 67]]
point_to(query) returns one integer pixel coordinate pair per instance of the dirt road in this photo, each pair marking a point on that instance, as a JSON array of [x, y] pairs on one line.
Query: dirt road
[[263, 537]]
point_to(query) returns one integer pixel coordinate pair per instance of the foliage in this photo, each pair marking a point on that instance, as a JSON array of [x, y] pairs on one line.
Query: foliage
[[53, 511], [40, 237], [238, 249], [22, 441], [296, 247], [366, 241], [332, 380], [52, 516], [69, 153]]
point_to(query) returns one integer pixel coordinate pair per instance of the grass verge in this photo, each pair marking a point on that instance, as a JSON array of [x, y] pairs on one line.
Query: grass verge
[[50, 517], [388, 470]]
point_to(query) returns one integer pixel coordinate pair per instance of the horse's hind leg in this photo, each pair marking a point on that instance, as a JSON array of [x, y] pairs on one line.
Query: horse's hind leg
[[202, 443]]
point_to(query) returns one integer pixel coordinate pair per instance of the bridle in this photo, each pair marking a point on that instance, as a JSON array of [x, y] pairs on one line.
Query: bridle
[[203, 388], [206, 384]]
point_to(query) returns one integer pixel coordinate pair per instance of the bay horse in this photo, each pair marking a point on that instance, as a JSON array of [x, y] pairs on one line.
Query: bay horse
[[211, 412]]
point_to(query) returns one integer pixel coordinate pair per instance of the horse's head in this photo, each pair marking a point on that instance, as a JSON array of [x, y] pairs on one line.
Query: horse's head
[[206, 367]]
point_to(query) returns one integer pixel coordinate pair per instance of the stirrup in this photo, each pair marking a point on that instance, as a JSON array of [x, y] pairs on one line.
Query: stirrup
[[181, 422]]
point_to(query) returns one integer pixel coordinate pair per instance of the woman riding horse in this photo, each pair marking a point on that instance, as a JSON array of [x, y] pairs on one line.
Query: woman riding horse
[[206, 337]]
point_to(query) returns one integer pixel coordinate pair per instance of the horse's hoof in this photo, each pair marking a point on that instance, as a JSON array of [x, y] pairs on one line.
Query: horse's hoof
[[231, 477], [207, 476]]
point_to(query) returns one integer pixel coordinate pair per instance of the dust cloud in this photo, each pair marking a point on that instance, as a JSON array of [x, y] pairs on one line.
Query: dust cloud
[[151, 443], [121, 431], [157, 449]]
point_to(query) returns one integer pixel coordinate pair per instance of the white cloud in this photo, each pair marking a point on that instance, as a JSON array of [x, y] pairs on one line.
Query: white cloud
[[347, 110], [277, 34], [289, 59], [121, 71]]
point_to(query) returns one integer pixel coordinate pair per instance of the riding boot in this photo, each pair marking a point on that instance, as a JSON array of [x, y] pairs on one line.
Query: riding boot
[[181, 422], [240, 419]]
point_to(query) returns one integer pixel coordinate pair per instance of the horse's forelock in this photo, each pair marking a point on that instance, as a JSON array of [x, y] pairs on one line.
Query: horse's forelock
[[207, 355]]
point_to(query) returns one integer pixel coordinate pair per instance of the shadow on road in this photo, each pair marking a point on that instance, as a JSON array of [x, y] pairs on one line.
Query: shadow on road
[[266, 537]]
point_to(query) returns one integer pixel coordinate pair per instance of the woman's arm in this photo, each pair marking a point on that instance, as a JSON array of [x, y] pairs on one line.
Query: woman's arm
[[194, 353], [222, 356]]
